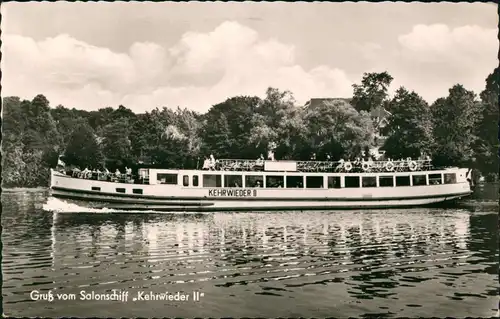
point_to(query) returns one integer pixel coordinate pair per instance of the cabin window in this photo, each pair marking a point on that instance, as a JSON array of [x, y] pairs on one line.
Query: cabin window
[[275, 181], [254, 181], [96, 188], [294, 181], [386, 181], [170, 179], [419, 180], [185, 180], [402, 180], [369, 181], [233, 181], [435, 179], [212, 181], [351, 181], [120, 190], [137, 190], [450, 178], [333, 181], [196, 181], [314, 181]]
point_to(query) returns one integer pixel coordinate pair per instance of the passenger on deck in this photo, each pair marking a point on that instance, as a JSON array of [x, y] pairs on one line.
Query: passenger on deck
[[85, 172], [270, 155], [260, 160], [340, 164], [212, 162], [117, 173], [206, 164], [76, 172], [357, 161], [97, 173]]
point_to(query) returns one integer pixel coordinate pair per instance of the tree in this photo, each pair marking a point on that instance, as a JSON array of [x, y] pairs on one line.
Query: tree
[[372, 92], [487, 145], [83, 149], [172, 152], [277, 121], [291, 132], [144, 136], [336, 128], [42, 125], [189, 125], [30, 141], [409, 132], [13, 122], [454, 127], [13, 166], [116, 145], [226, 127], [261, 134]]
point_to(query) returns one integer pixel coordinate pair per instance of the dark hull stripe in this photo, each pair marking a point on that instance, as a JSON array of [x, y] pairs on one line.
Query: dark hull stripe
[[83, 197], [161, 199]]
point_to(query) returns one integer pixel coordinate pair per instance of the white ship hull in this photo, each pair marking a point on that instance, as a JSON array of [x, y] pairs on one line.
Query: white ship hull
[[104, 194]]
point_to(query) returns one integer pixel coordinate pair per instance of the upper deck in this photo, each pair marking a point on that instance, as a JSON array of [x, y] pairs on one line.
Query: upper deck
[[320, 166]]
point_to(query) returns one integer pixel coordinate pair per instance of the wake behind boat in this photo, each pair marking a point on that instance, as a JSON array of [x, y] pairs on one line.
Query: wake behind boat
[[236, 185]]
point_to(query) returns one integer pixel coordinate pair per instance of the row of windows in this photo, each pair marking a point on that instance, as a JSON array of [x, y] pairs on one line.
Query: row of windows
[[120, 190], [277, 181], [298, 181]]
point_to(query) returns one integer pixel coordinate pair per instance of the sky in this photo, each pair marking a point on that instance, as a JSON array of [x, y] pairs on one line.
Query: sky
[[194, 55]]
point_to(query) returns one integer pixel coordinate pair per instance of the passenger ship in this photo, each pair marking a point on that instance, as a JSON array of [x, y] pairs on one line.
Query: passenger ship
[[234, 185]]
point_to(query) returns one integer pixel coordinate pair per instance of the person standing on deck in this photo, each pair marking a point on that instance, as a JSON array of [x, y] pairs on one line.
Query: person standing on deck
[[212, 162], [117, 174], [206, 163], [270, 155]]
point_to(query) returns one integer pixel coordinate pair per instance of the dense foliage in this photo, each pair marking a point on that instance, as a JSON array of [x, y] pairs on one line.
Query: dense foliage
[[459, 129], [409, 130]]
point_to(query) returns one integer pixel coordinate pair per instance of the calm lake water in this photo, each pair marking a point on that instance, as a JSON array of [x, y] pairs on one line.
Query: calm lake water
[[387, 263]]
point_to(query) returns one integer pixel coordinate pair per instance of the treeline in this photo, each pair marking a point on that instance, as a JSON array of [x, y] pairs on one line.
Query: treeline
[[459, 129]]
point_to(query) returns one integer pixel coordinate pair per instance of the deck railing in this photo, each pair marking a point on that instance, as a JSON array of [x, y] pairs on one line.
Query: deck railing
[[329, 166], [110, 177], [258, 165]]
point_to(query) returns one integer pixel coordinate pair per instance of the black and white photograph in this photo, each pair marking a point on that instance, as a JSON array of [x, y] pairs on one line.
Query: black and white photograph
[[250, 159]]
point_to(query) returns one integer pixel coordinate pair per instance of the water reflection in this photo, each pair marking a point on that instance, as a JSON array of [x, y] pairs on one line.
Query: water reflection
[[330, 263]]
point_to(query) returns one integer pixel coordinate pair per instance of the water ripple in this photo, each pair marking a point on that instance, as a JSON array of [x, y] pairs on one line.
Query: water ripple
[[434, 262]]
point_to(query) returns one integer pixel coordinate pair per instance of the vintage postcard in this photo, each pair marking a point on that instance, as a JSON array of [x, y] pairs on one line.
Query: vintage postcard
[[250, 159]]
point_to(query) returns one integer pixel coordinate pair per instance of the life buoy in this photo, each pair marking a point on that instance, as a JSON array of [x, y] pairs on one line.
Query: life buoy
[[348, 166], [412, 166], [389, 166], [365, 166]]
